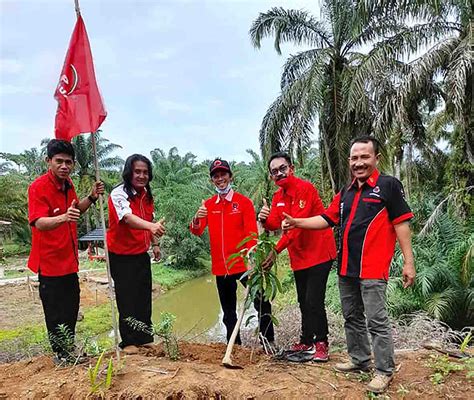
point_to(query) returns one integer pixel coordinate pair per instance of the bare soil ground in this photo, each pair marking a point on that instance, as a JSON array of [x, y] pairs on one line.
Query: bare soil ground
[[199, 375]]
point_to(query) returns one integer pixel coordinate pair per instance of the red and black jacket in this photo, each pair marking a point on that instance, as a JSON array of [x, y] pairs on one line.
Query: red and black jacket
[[366, 217]]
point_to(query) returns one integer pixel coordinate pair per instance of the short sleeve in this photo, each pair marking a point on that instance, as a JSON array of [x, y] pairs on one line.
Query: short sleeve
[[38, 206], [120, 202], [397, 206], [332, 213]]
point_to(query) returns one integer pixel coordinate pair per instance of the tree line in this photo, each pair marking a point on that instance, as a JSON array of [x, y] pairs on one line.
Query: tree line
[[400, 70]]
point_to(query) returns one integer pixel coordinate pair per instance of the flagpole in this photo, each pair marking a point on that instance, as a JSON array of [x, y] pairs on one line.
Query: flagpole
[[106, 250], [102, 221]]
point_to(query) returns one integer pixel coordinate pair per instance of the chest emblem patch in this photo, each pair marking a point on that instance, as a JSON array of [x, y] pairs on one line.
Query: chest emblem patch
[[302, 203], [376, 189], [235, 206]]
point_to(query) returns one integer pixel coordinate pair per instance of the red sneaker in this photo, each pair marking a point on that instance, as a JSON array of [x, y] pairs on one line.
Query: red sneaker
[[297, 347], [322, 352]]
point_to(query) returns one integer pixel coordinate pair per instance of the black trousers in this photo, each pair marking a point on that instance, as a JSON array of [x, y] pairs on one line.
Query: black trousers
[[132, 281], [227, 288], [311, 290], [60, 296]]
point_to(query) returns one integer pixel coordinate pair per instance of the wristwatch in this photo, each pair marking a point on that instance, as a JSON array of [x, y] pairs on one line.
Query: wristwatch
[[92, 199]]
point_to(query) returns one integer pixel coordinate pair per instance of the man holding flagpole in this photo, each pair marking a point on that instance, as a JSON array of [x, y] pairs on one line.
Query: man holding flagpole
[[53, 212], [53, 205]]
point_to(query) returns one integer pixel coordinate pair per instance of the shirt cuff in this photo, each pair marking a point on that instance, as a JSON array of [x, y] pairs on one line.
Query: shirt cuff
[[328, 220], [282, 244], [403, 218]]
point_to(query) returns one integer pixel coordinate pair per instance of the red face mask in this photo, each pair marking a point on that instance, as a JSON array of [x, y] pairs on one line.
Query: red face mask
[[285, 182]]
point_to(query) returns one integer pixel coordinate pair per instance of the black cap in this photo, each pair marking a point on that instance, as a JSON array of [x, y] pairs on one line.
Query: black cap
[[219, 164]]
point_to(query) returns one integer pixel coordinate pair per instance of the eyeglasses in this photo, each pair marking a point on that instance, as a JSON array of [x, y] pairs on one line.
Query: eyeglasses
[[281, 169]]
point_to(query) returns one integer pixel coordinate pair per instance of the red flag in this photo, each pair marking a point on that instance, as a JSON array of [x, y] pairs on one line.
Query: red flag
[[80, 106]]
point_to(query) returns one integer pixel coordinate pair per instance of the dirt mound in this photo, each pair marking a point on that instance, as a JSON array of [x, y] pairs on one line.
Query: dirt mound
[[199, 375]]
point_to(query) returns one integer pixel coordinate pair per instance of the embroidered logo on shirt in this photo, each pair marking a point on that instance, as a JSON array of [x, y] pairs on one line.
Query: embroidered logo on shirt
[[376, 189], [235, 206], [302, 203]]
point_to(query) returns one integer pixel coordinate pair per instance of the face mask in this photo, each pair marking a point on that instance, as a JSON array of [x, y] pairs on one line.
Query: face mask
[[284, 182], [224, 191]]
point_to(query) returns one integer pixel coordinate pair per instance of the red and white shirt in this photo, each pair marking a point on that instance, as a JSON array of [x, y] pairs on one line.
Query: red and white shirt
[[306, 247], [230, 220], [366, 217], [121, 239], [53, 252]]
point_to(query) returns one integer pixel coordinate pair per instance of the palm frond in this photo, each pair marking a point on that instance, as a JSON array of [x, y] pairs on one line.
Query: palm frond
[[295, 26]]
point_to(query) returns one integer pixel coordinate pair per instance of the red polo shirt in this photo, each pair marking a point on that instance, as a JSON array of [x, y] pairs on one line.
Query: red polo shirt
[[53, 252], [366, 216], [230, 221], [121, 239], [307, 248]]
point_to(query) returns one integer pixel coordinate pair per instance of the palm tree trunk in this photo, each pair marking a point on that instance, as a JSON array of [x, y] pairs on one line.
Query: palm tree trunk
[[409, 169], [328, 163]]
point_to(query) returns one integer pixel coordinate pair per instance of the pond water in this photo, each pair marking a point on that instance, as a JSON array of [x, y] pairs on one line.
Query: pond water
[[197, 309], [196, 306]]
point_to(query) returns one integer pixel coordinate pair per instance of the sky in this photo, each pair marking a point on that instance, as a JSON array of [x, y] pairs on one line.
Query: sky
[[172, 73]]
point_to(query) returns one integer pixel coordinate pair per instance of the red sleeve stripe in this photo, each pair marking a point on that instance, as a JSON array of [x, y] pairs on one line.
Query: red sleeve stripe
[[402, 218]]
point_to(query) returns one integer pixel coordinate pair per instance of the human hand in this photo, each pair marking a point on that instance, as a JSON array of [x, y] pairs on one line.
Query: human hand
[[288, 223], [264, 212], [97, 189], [269, 261], [408, 274], [158, 228], [202, 210], [156, 252], [72, 213]]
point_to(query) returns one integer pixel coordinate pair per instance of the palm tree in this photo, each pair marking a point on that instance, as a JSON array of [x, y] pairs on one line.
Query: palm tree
[[444, 251], [171, 168], [253, 179], [84, 170], [315, 82], [446, 64], [30, 163]]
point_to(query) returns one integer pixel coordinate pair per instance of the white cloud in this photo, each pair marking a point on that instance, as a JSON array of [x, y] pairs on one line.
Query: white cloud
[[170, 106], [10, 66], [6, 90]]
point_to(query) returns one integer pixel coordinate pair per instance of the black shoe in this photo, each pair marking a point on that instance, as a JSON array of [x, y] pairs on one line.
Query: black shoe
[[300, 357]]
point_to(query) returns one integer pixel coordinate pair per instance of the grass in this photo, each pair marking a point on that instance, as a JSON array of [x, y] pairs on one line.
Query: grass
[[11, 249], [169, 278], [31, 339]]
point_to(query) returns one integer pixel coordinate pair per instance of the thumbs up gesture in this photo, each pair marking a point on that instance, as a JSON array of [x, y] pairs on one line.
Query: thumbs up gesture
[[202, 210], [288, 223], [73, 213], [158, 228], [264, 212]]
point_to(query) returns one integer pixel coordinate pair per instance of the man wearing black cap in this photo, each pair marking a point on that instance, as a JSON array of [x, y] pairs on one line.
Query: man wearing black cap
[[231, 218]]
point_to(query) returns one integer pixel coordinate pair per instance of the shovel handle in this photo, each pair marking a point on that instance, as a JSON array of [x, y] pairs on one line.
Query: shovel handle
[[227, 360]]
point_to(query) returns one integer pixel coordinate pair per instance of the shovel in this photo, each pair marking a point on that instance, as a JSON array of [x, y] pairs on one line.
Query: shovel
[[227, 360]]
